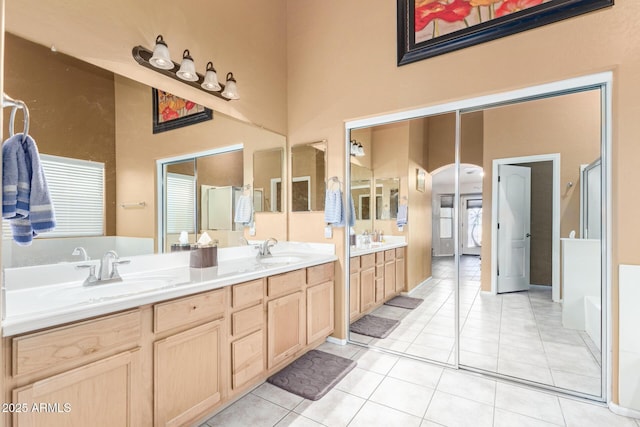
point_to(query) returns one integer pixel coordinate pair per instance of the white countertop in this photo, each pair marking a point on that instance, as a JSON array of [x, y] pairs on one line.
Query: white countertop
[[376, 247], [31, 303]]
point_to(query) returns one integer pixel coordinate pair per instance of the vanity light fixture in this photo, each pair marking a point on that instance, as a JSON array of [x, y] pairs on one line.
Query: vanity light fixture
[[187, 69], [160, 61], [210, 78], [231, 91], [357, 150], [161, 58]]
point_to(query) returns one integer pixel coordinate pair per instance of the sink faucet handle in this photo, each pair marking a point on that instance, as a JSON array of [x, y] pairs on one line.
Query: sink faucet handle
[[114, 267], [92, 273]]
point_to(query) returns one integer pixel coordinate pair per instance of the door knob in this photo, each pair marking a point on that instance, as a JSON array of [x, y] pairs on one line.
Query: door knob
[[528, 235]]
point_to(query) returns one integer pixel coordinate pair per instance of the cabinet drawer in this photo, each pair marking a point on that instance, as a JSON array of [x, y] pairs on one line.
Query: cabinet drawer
[[354, 264], [248, 293], [399, 252], [247, 320], [76, 342], [379, 257], [320, 273], [185, 311], [367, 261], [247, 358], [286, 283], [390, 254]]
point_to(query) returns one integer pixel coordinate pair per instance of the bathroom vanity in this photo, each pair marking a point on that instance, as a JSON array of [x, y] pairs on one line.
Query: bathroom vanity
[[167, 355], [376, 274]]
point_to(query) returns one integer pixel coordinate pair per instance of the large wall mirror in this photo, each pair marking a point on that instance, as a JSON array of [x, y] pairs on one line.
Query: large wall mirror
[[308, 174], [524, 204], [85, 117]]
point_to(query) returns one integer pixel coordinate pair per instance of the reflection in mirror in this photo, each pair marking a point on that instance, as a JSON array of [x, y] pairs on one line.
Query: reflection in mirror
[[82, 114], [519, 328], [361, 194], [180, 201], [267, 180], [308, 172], [387, 196]]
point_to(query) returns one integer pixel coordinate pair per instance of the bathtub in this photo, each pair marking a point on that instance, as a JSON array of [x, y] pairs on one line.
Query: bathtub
[[592, 317]]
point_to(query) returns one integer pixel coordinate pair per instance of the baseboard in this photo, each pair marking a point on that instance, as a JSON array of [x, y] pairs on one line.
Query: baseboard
[[424, 282], [337, 341], [625, 412]]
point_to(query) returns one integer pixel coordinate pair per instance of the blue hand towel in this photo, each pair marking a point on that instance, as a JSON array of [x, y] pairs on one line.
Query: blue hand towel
[[244, 210], [333, 209], [403, 215], [31, 211]]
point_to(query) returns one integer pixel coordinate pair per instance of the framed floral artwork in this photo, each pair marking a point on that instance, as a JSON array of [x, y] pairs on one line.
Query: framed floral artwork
[[428, 28], [172, 112]]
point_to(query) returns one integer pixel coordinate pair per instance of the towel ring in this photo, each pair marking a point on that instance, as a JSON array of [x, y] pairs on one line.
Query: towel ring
[[25, 113]]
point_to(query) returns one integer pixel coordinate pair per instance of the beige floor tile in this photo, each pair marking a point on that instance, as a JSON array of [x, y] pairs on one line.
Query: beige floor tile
[[519, 354], [504, 418], [413, 371], [437, 341], [336, 408], [469, 386], [480, 361], [488, 348], [249, 411], [297, 420], [360, 382], [525, 371], [278, 396], [571, 381], [375, 361], [431, 353], [404, 396], [578, 414], [535, 404], [347, 350], [373, 414], [450, 410]]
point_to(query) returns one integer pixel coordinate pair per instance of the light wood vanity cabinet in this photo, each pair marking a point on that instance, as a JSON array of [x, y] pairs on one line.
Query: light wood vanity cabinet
[[374, 279], [170, 363]]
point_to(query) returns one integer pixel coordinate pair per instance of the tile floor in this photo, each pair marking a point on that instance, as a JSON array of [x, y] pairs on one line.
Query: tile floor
[[388, 390], [518, 334]]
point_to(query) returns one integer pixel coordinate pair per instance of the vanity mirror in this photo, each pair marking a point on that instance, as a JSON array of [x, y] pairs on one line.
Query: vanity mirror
[[90, 114], [386, 196], [361, 194], [308, 173], [267, 180]]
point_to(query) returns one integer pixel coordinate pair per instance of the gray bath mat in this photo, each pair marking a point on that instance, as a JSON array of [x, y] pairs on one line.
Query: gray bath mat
[[374, 326], [313, 375], [404, 302]]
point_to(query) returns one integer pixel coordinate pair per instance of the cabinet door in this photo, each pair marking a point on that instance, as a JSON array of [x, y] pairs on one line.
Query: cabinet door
[[285, 327], [379, 289], [354, 295], [187, 374], [103, 393], [247, 359], [399, 274], [367, 289], [319, 311], [389, 278]]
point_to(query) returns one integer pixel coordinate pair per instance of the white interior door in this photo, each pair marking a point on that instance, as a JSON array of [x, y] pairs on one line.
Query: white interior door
[[471, 224], [514, 227]]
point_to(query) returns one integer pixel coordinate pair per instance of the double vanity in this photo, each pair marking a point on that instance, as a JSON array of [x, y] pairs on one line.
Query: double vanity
[[168, 344]]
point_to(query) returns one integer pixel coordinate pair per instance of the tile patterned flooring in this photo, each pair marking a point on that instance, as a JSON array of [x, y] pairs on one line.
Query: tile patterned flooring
[[517, 334], [389, 390]]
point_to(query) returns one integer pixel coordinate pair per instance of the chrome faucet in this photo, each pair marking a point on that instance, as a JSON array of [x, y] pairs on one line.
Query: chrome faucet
[[108, 271], [243, 241], [82, 252], [265, 247]]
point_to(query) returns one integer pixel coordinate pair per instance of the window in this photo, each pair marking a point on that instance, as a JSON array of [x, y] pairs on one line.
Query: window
[[181, 196], [446, 216], [77, 193]]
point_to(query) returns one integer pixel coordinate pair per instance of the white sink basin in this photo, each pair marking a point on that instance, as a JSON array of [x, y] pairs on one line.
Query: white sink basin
[[110, 290], [280, 259]]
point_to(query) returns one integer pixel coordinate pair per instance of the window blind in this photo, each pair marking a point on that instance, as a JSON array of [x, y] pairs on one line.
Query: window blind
[[181, 196]]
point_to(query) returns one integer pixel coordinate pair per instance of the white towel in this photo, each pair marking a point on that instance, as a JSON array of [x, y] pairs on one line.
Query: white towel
[[26, 201], [244, 210], [333, 209], [403, 215]]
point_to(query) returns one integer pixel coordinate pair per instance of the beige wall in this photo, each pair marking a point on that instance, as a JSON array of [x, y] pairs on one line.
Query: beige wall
[[137, 150], [267, 165], [75, 117]]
